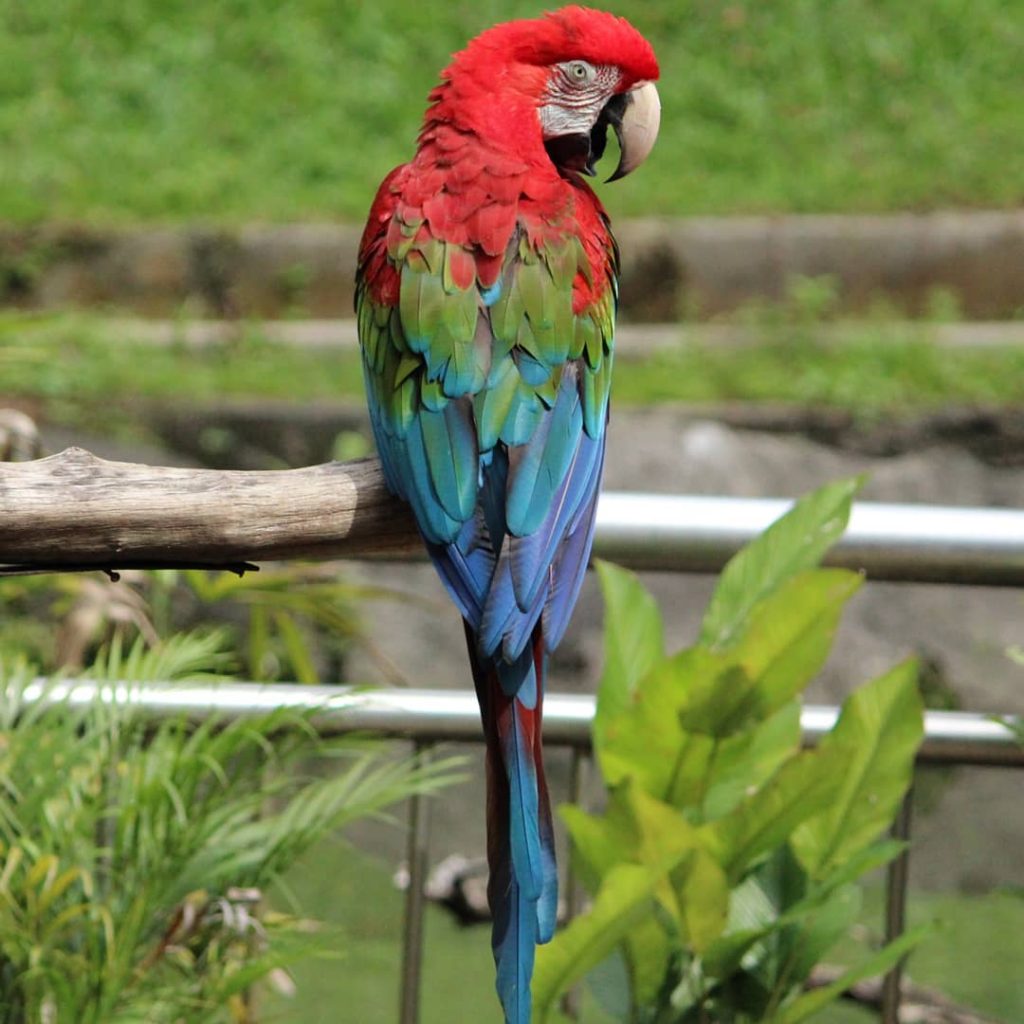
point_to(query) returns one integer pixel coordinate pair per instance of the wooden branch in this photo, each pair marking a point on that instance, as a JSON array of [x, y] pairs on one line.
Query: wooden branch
[[74, 511]]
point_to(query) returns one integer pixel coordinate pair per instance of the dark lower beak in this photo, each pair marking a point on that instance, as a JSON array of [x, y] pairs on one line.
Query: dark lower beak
[[571, 152]]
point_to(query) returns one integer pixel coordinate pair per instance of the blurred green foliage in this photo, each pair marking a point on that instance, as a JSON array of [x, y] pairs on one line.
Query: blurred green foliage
[[291, 622], [162, 109]]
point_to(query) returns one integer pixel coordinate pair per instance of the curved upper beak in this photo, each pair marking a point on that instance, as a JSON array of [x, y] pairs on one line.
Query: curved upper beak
[[636, 127]]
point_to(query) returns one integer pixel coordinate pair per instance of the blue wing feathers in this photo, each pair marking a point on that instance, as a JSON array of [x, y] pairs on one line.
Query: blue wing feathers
[[519, 624], [433, 521], [450, 444], [538, 474], [571, 562]]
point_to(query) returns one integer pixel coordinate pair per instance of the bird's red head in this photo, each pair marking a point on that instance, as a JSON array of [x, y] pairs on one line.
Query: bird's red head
[[548, 88], [572, 33]]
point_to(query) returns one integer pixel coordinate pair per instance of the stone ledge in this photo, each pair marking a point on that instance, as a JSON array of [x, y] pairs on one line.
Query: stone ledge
[[704, 266]]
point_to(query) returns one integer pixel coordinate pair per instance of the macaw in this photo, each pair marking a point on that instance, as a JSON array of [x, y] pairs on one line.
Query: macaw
[[486, 297]]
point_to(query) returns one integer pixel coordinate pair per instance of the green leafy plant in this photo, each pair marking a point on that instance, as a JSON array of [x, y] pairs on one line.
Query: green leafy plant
[[292, 622], [135, 857], [285, 607], [723, 865]]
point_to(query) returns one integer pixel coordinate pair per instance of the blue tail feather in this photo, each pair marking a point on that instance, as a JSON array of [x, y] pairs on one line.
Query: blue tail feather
[[514, 941], [523, 885]]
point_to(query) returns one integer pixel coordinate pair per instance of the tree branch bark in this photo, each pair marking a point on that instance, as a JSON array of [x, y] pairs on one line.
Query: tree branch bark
[[75, 512]]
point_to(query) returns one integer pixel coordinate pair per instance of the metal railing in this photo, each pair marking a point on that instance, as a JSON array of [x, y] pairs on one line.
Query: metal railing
[[898, 542], [427, 717], [910, 543], [435, 716]]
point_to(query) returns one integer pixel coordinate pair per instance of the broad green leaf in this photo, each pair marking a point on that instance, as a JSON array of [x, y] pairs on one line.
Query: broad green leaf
[[662, 832], [786, 641], [820, 929], [725, 956], [633, 640], [697, 894], [872, 858], [804, 786], [690, 992], [782, 878], [704, 898], [635, 828], [877, 736], [748, 759], [625, 897], [884, 960], [757, 906], [640, 831], [611, 984], [649, 952], [599, 842], [796, 541], [751, 907], [753, 917], [687, 784], [644, 740], [791, 630]]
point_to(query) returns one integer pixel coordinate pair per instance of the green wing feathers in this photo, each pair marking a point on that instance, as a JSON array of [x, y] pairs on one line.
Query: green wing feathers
[[455, 367]]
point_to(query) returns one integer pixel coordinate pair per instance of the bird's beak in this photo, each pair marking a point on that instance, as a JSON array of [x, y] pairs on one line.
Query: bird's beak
[[635, 120], [633, 115]]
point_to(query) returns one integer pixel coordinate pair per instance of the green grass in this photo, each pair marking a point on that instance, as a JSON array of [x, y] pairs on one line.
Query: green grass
[[356, 893], [69, 370], [230, 111]]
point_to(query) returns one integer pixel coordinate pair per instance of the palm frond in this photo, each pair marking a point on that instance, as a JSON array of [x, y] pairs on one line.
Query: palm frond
[[114, 829]]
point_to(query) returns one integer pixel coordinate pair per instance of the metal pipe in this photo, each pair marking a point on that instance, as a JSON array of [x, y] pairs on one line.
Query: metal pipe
[[908, 543], [897, 882], [951, 737], [418, 857]]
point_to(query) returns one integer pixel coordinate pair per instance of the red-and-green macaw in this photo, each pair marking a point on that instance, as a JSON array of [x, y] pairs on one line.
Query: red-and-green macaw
[[486, 300]]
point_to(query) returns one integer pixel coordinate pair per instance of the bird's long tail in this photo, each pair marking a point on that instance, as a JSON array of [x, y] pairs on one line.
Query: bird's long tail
[[523, 885]]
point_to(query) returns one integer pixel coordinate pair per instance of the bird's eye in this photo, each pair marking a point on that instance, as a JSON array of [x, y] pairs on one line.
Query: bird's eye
[[579, 71]]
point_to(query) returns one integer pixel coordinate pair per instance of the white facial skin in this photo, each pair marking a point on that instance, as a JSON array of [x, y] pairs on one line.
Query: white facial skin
[[577, 91]]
